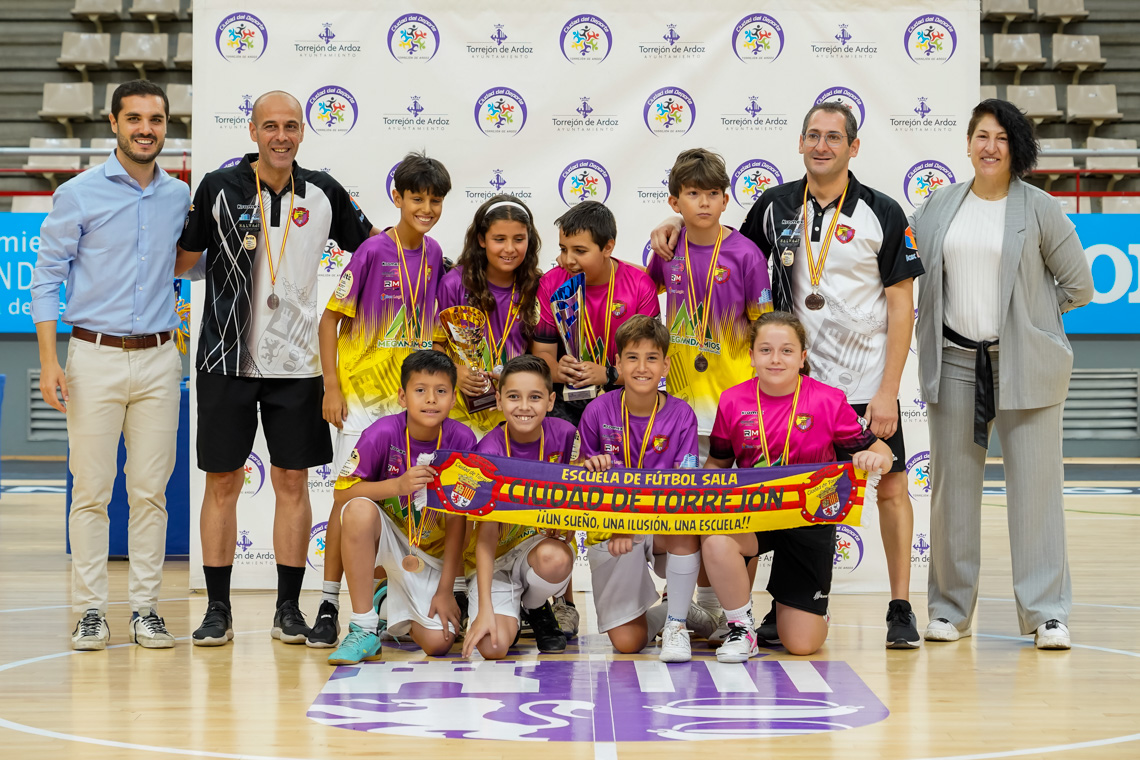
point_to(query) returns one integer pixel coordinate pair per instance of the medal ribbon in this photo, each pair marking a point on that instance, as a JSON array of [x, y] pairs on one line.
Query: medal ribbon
[[588, 325], [690, 291], [416, 324], [508, 323], [815, 269], [541, 443], [265, 227], [627, 430], [416, 532], [791, 420]]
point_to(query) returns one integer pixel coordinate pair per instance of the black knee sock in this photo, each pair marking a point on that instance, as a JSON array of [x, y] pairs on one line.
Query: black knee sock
[[289, 580], [218, 583]]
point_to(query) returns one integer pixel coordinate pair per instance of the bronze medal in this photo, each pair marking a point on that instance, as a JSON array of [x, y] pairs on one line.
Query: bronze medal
[[273, 301], [249, 242], [814, 302], [701, 363], [412, 563]]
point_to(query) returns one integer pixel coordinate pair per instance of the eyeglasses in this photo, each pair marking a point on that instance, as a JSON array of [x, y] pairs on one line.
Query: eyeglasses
[[833, 139]]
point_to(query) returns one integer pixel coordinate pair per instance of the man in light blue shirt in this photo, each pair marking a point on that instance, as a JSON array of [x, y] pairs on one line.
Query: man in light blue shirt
[[111, 238]]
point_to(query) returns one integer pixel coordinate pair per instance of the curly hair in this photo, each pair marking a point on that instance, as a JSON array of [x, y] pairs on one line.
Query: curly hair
[[1019, 130], [474, 259]]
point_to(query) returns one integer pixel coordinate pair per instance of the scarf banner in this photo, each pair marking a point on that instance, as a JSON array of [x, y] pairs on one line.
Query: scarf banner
[[553, 496]]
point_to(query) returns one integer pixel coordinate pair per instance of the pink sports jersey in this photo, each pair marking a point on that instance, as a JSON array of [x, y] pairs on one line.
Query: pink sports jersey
[[557, 446], [634, 293], [824, 423], [672, 443]]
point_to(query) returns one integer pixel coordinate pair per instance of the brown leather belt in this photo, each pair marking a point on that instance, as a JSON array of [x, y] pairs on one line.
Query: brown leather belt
[[125, 342]]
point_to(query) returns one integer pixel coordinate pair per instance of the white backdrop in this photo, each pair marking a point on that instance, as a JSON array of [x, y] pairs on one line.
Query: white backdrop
[[569, 101]]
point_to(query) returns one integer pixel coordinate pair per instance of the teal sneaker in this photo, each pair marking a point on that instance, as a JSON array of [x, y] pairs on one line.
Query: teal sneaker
[[379, 599], [358, 645]]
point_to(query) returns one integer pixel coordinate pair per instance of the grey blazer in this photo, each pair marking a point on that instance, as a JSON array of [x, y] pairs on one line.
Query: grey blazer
[[1044, 273]]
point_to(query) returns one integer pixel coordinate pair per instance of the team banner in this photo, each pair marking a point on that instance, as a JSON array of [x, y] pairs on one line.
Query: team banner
[[542, 495]]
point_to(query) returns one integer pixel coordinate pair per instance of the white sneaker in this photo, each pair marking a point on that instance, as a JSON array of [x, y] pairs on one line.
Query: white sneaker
[[148, 630], [675, 645], [721, 632], [739, 645], [1052, 634], [941, 629], [700, 622], [91, 632], [567, 617]]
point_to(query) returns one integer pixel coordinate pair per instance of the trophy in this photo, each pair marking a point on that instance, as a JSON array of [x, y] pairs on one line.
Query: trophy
[[566, 303], [464, 328]]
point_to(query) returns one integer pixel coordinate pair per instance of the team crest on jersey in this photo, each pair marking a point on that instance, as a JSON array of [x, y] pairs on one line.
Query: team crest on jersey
[[343, 285], [619, 309], [351, 464], [555, 458], [804, 422], [660, 443], [427, 274], [722, 274], [300, 216], [844, 233]]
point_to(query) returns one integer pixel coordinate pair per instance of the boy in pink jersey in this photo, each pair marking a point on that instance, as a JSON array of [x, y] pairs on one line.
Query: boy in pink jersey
[[638, 426], [517, 568], [782, 417], [374, 494]]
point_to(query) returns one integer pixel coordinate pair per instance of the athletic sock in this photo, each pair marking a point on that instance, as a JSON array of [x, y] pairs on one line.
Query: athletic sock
[[218, 583], [289, 581], [706, 598], [369, 621], [681, 574], [538, 589], [741, 616], [460, 584], [330, 592]]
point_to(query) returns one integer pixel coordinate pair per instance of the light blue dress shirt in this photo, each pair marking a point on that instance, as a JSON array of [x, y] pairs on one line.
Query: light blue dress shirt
[[114, 244]]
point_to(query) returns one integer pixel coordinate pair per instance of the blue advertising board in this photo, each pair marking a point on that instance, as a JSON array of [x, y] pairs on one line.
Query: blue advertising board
[[1112, 246], [19, 245]]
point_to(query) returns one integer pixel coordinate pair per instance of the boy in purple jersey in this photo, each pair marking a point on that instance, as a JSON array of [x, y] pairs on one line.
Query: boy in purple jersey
[[516, 566], [375, 491], [641, 427], [782, 417]]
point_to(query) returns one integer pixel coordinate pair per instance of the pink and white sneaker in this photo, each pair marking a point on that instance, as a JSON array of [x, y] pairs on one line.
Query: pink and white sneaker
[[739, 644]]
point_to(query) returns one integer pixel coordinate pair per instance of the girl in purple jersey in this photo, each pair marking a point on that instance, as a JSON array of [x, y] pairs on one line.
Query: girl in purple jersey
[[782, 417]]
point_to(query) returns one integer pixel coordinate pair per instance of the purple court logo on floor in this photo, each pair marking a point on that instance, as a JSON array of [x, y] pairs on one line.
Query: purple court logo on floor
[[241, 37], [332, 110], [584, 180], [500, 111], [669, 111], [592, 701], [585, 39], [758, 37], [846, 97], [924, 178], [930, 39], [751, 179], [413, 38]]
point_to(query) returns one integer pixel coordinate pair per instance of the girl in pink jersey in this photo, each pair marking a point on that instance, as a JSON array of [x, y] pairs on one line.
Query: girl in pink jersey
[[782, 417]]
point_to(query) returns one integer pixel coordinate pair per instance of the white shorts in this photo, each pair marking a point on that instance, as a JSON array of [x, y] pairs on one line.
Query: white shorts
[[409, 594], [508, 583], [623, 588], [342, 448]]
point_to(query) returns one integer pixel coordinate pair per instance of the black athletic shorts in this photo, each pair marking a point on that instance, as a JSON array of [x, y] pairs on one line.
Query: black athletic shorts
[[895, 442], [802, 563], [295, 431]]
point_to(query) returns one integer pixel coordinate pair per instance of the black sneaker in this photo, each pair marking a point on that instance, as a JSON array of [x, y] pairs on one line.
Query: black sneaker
[[217, 626], [902, 631], [547, 635], [326, 628], [766, 633], [525, 631], [289, 624]]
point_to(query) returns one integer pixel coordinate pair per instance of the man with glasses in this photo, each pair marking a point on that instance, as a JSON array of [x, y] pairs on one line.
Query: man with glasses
[[843, 265]]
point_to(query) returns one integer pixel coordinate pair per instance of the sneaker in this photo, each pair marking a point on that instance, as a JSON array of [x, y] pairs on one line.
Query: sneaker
[[91, 632], [217, 626], [289, 624], [721, 632], [767, 631], [941, 629], [148, 630], [675, 645], [739, 645], [700, 622], [567, 616], [547, 635], [902, 626], [380, 604], [326, 628], [525, 629], [358, 645], [1052, 634]]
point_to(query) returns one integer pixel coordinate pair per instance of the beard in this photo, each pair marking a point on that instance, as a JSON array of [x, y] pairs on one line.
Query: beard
[[128, 148]]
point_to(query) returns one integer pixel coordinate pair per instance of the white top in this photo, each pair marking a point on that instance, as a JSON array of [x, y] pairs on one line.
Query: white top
[[971, 267]]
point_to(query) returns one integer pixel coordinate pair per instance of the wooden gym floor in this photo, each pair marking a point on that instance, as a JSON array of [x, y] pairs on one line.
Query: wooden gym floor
[[989, 696]]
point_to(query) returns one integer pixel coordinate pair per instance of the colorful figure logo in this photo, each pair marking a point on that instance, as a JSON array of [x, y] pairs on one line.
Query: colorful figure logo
[[413, 37], [930, 39], [500, 111], [751, 179], [918, 475], [316, 553], [332, 257], [585, 39], [669, 110], [584, 180], [332, 110], [846, 97], [758, 37], [254, 472], [241, 37], [924, 178], [848, 548]]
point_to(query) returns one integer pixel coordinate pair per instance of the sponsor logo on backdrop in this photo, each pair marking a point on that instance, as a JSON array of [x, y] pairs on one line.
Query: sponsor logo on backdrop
[[585, 118], [500, 111], [254, 471], [250, 551], [671, 45], [924, 178], [917, 412], [585, 39], [751, 179], [930, 39], [241, 37], [237, 118], [758, 37], [584, 180], [390, 182], [497, 183], [646, 254], [655, 190], [333, 259], [848, 548], [847, 97], [921, 553], [752, 117], [316, 553], [669, 111], [924, 119], [571, 701], [352, 190], [845, 44], [413, 38], [231, 162], [500, 45], [416, 116], [327, 43], [918, 475], [332, 110]]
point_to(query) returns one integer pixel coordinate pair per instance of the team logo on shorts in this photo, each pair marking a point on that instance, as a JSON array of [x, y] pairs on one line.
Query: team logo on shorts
[[241, 37], [722, 274], [751, 179], [758, 37], [300, 216], [924, 178], [585, 39], [500, 111], [804, 422], [669, 111], [846, 97], [343, 286], [930, 39], [844, 233], [619, 309], [353, 460], [584, 180], [413, 38], [660, 443]]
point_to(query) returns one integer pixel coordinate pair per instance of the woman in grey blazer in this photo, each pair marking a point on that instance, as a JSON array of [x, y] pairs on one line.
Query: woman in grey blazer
[[1003, 263]]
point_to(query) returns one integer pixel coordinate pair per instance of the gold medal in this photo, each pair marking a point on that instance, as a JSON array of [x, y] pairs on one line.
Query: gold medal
[[249, 242]]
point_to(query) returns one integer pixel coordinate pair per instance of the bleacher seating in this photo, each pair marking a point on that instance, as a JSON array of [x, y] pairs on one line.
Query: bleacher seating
[[155, 11], [97, 11], [1062, 11], [1091, 104], [1122, 204], [1038, 101], [184, 56], [1069, 204], [171, 158], [1077, 52], [984, 58], [1006, 11], [143, 51], [1017, 51], [987, 92], [82, 51], [107, 144], [66, 102], [181, 97], [1046, 163], [49, 166], [31, 204], [1111, 165]]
